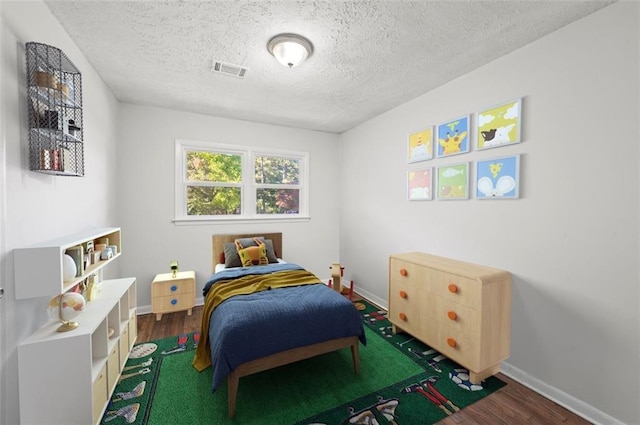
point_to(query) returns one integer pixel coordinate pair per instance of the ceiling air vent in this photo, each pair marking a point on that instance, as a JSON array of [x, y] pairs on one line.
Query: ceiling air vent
[[229, 69]]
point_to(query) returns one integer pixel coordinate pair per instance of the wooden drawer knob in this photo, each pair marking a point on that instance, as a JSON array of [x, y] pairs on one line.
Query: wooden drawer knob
[[453, 288], [403, 272], [403, 294], [452, 315], [403, 317], [451, 342]]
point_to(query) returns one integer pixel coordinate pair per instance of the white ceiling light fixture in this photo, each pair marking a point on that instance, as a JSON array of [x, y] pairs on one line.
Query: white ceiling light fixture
[[290, 49]]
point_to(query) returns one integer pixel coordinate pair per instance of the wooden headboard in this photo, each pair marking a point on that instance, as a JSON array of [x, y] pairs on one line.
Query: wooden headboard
[[218, 242]]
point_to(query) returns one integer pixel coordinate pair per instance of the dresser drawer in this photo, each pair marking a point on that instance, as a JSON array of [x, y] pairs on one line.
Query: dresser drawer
[[404, 309], [451, 313], [405, 272], [458, 345], [455, 288]]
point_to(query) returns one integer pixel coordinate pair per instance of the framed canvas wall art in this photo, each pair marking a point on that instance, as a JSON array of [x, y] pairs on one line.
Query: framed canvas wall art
[[419, 184], [499, 125], [420, 147], [498, 178], [453, 181], [453, 137]]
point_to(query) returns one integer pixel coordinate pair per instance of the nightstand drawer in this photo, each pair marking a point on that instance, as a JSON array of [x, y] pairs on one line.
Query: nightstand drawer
[[172, 287], [171, 303]]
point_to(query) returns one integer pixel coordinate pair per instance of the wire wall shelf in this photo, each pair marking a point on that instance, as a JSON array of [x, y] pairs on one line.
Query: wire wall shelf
[[54, 101]]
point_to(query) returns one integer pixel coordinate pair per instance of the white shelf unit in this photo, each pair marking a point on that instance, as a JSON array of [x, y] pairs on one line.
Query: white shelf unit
[[38, 268], [69, 377]]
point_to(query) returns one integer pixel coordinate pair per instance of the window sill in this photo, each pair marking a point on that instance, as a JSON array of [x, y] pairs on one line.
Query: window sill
[[195, 221]]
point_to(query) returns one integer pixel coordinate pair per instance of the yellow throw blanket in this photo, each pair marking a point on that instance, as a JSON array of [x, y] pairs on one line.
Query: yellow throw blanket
[[245, 285]]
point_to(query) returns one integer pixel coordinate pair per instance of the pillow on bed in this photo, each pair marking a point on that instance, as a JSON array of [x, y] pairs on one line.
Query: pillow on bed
[[271, 252], [252, 255], [231, 258]]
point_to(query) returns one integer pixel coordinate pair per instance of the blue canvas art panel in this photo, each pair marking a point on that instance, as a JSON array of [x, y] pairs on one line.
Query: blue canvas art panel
[[498, 178], [453, 137]]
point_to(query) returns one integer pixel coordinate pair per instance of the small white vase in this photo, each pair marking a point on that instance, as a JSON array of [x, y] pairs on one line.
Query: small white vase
[[69, 268]]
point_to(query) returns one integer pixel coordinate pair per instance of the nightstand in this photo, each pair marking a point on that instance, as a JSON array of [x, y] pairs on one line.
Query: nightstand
[[170, 294]]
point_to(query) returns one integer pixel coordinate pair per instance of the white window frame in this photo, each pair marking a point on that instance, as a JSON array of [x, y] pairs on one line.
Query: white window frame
[[248, 185]]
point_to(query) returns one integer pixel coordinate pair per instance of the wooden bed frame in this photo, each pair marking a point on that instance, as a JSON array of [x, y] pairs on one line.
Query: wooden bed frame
[[284, 357]]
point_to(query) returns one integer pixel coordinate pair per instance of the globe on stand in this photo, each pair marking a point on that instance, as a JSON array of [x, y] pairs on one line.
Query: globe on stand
[[65, 308], [69, 268]]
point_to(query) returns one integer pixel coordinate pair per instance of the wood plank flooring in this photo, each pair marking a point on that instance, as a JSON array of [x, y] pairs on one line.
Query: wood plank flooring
[[513, 404]]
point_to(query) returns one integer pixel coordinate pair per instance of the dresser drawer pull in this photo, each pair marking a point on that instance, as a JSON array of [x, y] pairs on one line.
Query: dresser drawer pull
[[451, 342], [452, 315], [174, 288], [174, 301], [453, 288], [403, 317], [403, 294], [403, 272]]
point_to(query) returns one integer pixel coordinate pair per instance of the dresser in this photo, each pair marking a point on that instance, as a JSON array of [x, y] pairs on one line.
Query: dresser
[[460, 309], [170, 294]]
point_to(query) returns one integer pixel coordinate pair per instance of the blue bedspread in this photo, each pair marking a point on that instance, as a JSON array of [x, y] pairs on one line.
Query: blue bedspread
[[248, 327]]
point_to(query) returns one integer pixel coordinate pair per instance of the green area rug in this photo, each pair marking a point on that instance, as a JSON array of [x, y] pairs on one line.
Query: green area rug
[[401, 381]]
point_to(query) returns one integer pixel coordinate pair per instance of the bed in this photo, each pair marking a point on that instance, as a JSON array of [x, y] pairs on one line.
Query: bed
[[285, 311]]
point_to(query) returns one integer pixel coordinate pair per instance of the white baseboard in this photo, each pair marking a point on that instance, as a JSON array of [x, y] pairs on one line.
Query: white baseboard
[[558, 396], [363, 293], [369, 296]]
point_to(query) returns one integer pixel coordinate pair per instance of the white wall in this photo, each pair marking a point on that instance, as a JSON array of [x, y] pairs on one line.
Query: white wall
[[3, 226], [571, 241], [39, 207], [146, 194]]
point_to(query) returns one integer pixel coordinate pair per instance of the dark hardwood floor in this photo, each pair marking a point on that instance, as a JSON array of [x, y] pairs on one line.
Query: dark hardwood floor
[[514, 404]]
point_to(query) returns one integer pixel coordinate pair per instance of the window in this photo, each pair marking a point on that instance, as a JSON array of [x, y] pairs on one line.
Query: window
[[227, 182]]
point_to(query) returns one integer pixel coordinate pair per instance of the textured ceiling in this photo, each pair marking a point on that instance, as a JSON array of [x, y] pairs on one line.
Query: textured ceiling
[[369, 56]]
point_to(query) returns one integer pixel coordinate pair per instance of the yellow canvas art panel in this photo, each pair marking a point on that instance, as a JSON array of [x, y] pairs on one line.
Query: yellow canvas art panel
[[499, 126], [420, 146]]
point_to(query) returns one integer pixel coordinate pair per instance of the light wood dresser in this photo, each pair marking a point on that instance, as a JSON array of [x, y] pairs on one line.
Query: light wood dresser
[[460, 309]]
